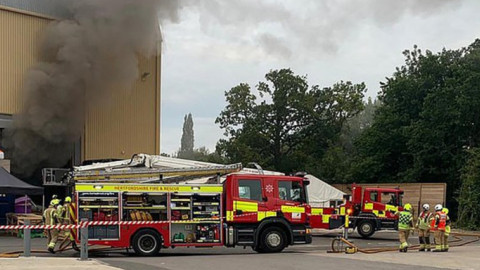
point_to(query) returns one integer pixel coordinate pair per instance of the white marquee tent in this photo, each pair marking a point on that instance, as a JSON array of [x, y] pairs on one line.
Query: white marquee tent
[[320, 193]]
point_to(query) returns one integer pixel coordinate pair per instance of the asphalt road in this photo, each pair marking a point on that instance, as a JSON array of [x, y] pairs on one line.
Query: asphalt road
[[312, 256]]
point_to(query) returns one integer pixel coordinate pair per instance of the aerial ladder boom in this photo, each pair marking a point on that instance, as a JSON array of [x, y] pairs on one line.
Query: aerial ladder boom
[[142, 168], [134, 174]]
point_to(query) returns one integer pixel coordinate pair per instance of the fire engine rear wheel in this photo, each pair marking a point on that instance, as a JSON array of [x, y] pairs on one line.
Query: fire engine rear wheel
[[366, 228], [147, 242], [272, 239]]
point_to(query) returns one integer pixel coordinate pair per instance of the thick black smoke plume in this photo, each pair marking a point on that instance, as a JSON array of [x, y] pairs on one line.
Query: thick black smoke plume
[[94, 51]]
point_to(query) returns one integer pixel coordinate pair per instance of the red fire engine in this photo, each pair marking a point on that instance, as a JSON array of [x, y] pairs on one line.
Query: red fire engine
[[370, 211], [265, 212]]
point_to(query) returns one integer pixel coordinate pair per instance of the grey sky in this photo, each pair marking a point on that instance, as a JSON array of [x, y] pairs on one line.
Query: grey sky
[[219, 44]]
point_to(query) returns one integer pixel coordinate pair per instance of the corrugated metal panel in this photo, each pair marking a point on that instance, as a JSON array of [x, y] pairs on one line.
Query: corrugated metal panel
[[20, 36], [129, 122]]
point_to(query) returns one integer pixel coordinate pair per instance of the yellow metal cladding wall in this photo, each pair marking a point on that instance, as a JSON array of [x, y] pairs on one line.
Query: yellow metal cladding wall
[[20, 37], [128, 122]]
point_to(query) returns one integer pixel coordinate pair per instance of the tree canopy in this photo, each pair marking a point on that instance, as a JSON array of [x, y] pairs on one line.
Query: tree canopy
[[428, 118], [284, 124], [424, 127]]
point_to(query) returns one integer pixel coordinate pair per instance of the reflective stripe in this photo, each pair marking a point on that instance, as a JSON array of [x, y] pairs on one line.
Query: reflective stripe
[[245, 206], [369, 206], [292, 209], [379, 213], [404, 220], [70, 218], [342, 210], [447, 230], [432, 223], [326, 218], [229, 215], [264, 214], [423, 220], [103, 187], [71, 210], [390, 207], [317, 211], [442, 222]]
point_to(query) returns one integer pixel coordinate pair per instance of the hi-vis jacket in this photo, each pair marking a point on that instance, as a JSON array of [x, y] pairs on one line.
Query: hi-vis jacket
[[405, 220], [50, 216], [423, 221], [439, 222]]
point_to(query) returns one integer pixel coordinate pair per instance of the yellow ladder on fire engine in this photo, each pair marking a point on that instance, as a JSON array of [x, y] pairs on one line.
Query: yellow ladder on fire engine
[[135, 174]]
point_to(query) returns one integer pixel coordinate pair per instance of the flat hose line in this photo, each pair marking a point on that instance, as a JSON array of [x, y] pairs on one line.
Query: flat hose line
[[413, 247]]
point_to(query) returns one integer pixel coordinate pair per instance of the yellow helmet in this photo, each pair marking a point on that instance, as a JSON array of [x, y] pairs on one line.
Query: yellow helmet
[[407, 207], [55, 201], [445, 210], [68, 199]]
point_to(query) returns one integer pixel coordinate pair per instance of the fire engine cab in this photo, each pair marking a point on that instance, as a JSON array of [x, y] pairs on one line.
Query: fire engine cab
[[150, 211], [369, 210], [374, 209]]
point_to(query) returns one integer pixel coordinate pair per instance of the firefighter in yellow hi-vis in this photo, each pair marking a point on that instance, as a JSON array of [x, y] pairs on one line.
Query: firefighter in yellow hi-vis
[[438, 226], [405, 224], [64, 215], [447, 231], [423, 226], [50, 217]]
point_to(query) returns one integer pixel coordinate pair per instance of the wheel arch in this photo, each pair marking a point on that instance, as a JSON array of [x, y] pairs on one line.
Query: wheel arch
[[368, 216], [139, 230], [274, 222]]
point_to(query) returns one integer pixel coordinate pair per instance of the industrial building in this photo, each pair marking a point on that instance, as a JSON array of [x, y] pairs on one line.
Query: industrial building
[[129, 124]]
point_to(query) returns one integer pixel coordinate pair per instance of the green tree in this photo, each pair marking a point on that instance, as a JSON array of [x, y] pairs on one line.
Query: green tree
[[430, 113], [287, 123], [203, 154], [187, 141], [469, 194], [338, 158]]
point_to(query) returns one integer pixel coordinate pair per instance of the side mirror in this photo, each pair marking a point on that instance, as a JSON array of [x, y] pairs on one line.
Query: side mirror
[[265, 199]]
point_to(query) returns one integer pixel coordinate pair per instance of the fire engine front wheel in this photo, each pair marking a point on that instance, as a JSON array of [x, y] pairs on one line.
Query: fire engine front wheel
[[365, 228], [146, 243], [272, 240]]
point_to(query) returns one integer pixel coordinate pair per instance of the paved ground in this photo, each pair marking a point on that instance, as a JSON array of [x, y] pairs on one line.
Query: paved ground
[[297, 257], [53, 264]]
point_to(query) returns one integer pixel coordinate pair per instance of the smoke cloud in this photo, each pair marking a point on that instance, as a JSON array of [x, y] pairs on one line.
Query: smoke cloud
[[319, 27], [95, 50]]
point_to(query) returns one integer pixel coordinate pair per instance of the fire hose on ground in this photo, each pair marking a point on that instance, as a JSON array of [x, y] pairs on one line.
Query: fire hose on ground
[[337, 244]]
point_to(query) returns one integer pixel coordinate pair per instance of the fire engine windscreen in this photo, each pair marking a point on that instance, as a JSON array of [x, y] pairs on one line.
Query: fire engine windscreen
[[292, 191], [83, 57], [391, 198]]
